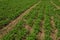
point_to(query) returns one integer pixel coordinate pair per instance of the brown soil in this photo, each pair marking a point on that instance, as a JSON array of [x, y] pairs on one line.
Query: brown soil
[[54, 30], [58, 38], [30, 29], [54, 34], [41, 35], [52, 22], [58, 7], [11, 25]]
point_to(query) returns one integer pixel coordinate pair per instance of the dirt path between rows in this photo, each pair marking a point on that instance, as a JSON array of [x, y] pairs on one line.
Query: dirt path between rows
[[54, 30], [11, 25], [58, 7]]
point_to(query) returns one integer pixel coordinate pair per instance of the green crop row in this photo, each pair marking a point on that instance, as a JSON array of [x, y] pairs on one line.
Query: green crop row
[[36, 21], [11, 9], [34, 26], [43, 11], [17, 33], [57, 22]]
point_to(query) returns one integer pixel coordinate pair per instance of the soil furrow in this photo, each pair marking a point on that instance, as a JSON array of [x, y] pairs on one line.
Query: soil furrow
[[53, 30], [11, 25]]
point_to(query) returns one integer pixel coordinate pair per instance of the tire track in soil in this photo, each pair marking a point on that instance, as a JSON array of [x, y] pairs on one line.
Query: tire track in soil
[[58, 7], [54, 30], [11, 25]]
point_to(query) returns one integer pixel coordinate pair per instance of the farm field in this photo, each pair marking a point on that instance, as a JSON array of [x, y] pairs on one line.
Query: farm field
[[41, 21], [11, 9]]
